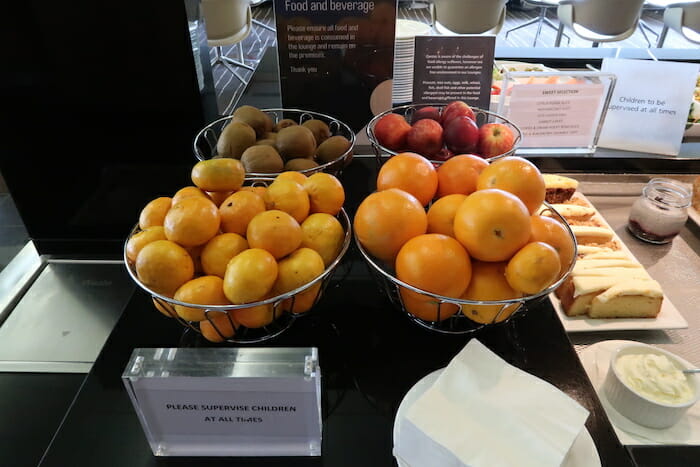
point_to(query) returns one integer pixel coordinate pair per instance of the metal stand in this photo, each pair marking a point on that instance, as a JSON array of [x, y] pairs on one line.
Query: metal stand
[[540, 19], [227, 62]]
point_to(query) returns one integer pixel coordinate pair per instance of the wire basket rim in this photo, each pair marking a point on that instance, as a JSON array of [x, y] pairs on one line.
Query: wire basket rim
[[369, 129], [320, 168], [458, 301], [272, 300]]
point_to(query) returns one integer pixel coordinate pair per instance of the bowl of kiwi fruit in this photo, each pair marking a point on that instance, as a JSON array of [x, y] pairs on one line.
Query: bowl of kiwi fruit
[[272, 141]]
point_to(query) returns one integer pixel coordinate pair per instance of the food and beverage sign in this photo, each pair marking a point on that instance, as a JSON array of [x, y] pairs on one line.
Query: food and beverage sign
[[452, 68], [649, 108], [227, 401], [334, 54]]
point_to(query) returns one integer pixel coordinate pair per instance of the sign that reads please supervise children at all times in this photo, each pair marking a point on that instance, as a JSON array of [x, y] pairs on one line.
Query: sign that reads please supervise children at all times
[[241, 402]]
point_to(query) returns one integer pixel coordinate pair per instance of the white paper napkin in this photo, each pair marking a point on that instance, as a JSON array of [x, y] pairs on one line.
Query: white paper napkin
[[596, 361], [482, 411]]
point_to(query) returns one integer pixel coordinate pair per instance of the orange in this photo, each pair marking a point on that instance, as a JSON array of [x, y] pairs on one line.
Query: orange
[[195, 253], [218, 197], [326, 193], [218, 326], [297, 270], [303, 301], [292, 175], [154, 212], [250, 276], [533, 268], [489, 284], [218, 252], [290, 197], [441, 214], [164, 307], [492, 224], [323, 233], [515, 175], [238, 209], [163, 266], [410, 172], [274, 231], [205, 290], [435, 263], [458, 174], [192, 221], [188, 191], [385, 220], [262, 192], [223, 174], [256, 316], [551, 231], [425, 307], [141, 239]]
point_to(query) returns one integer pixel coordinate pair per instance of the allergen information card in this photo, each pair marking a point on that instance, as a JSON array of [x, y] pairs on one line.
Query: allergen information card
[[449, 68]]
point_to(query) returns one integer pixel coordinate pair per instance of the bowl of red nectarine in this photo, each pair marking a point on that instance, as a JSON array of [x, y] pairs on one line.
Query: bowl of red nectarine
[[441, 131]]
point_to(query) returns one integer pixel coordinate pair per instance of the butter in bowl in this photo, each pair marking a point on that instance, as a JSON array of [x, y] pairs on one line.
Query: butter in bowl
[[647, 385]]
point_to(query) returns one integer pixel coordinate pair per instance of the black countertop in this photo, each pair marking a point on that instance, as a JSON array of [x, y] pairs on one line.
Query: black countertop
[[370, 353]]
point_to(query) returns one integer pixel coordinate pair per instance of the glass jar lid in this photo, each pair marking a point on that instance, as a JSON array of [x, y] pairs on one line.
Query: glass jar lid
[[667, 192]]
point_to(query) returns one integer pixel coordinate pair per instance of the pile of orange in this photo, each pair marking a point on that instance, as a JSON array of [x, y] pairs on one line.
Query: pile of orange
[[219, 242], [467, 230]]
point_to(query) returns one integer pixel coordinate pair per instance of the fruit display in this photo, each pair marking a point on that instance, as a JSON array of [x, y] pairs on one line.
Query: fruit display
[[439, 132], [271, 141], [462, 245], [238, 258]]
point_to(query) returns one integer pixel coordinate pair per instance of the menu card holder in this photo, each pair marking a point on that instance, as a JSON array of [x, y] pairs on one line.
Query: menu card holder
[[558, 112], [227, 401]]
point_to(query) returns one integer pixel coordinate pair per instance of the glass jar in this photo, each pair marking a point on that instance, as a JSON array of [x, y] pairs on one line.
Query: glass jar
[[660, 212]]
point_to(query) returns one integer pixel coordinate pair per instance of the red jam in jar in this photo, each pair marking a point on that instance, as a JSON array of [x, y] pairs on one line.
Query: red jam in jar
[[660, 212]]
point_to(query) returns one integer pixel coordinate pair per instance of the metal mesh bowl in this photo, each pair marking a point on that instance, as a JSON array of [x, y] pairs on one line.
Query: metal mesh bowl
[[459, 322], [204, 145], [407, 111], [282, 320]]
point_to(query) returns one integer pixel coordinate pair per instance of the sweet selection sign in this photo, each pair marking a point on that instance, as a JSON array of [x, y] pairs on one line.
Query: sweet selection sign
[[334, 54]]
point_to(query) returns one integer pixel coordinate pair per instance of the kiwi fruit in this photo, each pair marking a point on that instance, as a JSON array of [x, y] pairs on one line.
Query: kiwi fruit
[[256, 118], [332, 148], [319, 128], [300, 163], [262, 159], [284, 123], [235, 138], [269, 142], [295, 141]]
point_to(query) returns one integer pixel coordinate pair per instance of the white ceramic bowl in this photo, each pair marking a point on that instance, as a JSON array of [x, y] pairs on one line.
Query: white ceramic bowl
[[641, 409]]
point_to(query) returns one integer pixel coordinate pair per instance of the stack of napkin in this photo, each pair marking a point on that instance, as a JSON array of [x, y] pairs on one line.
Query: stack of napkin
[[481, 411]]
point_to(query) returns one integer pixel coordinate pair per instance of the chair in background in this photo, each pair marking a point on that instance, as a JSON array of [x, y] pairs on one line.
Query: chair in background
[[599, 20], [541, 19], [228, 22], [684, 18], [468, 16]]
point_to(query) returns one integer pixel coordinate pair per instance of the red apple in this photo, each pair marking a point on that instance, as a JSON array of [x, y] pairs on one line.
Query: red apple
[[425, 137], [391, 131], [495, 139], [456, 109], [430, 112], [461, 135], [443, 155]]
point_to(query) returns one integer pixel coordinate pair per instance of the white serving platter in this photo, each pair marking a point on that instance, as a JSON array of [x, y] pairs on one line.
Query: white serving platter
[[668, 318]]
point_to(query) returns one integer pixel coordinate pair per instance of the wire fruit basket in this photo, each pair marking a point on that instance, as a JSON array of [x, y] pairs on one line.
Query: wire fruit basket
[[457, 320], [218, 317], [204, 145], [482, 117]]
